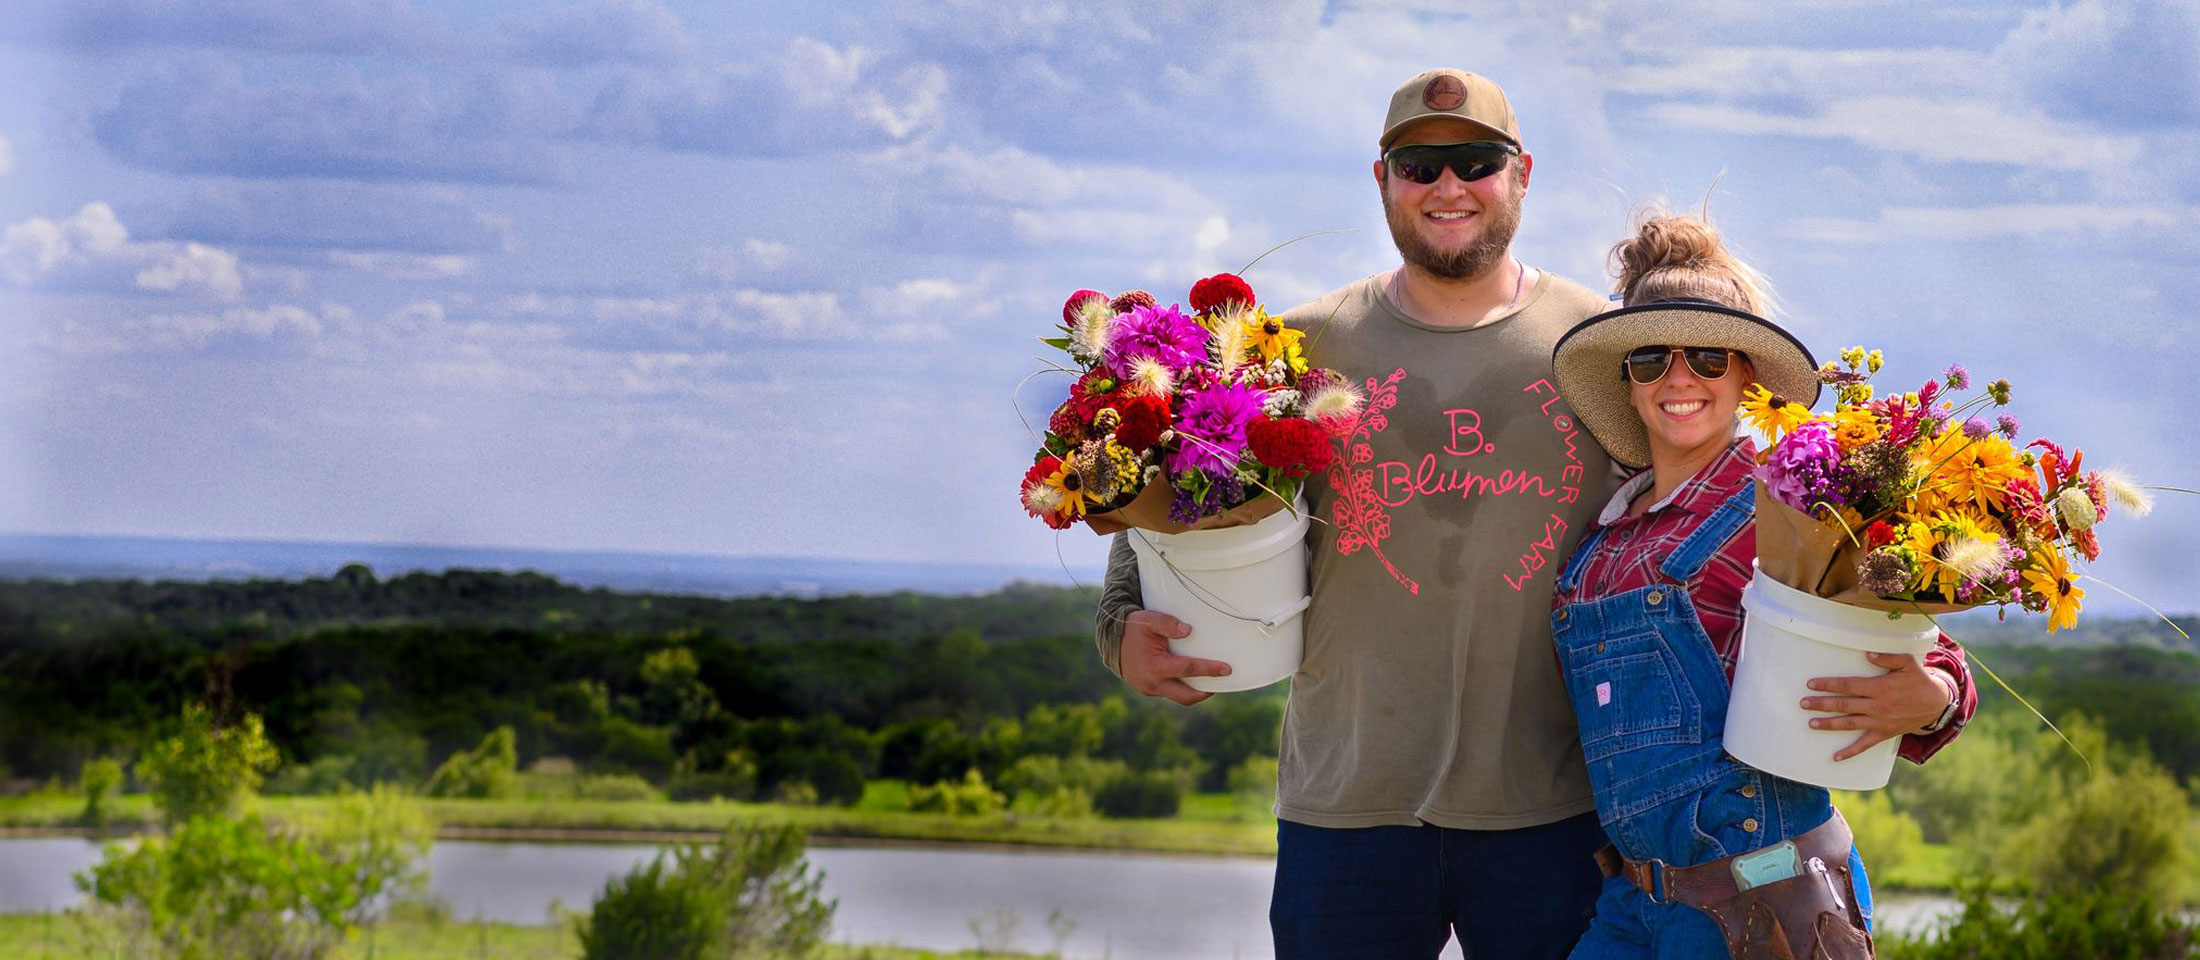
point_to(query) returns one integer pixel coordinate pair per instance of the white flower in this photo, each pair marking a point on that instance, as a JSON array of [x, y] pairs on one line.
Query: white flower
[[1279, 403]]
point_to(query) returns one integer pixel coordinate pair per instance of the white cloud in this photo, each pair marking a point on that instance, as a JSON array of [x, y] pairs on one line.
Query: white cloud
[[405, 266], [193, 265], [93, 248], [278, 322], [752, 257], [1969, 131], [1900, 225]]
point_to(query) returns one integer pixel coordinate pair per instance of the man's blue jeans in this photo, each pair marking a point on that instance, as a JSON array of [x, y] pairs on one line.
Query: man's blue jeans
[[1398, 893]]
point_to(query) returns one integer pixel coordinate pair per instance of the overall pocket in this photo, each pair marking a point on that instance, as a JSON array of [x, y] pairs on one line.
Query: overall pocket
[[1629, 692]]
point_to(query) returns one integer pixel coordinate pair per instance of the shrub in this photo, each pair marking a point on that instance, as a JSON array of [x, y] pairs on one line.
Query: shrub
[[325, 775], [488, 771], [1146, 793], [2090, 923], [219, 888], [1888, 838], [99, 779], [969, 797], [751, 891], [1253, 787], [2120, 830], [621, 787], [204, 770]]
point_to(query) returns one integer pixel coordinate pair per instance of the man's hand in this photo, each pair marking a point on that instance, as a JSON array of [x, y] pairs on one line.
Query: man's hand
[[1899, 702], [1151, 669]]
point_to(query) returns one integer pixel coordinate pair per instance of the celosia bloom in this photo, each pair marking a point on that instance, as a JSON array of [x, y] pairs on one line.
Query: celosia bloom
[[1220, 291], [1165, 335], [1210, 429], [1295, 447], [1144, 419], [1803, 469]]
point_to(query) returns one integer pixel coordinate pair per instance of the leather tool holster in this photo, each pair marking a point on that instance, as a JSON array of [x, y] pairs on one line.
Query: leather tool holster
[[1810, 916]]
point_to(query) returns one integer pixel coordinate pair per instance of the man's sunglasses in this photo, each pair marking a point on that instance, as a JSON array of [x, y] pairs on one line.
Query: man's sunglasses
[[1648, 365], [1471, 160]]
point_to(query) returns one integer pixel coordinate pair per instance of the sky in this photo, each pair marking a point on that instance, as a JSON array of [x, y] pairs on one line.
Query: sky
[[762, 278]]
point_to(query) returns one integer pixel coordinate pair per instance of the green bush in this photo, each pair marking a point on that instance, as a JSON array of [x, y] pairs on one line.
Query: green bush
[[204, 770], [1145, 793], [621, 787], [490, 770], [100, 778], [2118, 829], [750, 892], [969, 797], [1252, 786], [1888, 838], [222, 888], [2102, 923], [735, 779], [325, 775]]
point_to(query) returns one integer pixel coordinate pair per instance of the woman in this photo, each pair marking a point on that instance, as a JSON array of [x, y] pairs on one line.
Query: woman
[[1709, 855]]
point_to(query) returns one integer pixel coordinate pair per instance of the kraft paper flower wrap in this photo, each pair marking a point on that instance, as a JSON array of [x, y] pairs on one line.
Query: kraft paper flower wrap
[[1150, 511], [1915, 503]]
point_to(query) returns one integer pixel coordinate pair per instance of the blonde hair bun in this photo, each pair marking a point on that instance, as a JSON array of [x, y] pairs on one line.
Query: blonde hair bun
[[1672, 256]]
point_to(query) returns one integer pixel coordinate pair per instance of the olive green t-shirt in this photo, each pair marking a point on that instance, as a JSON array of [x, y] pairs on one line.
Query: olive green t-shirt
[[1429, 691]]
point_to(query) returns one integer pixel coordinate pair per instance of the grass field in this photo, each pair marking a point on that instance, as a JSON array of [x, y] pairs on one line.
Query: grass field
[[1210, 824], [69, 937]]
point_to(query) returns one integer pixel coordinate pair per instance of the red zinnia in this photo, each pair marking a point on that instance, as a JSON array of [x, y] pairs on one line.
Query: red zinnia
[[1295, 446], [1127, 302], [1879, 534], [1076, 301], [1144, 418], [1219, 291]]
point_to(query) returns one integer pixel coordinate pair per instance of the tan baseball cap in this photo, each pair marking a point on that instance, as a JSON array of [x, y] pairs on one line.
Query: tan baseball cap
[[1457, 94]]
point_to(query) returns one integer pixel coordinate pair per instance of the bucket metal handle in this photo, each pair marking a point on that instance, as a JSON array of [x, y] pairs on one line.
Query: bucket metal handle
[[1203, 595]]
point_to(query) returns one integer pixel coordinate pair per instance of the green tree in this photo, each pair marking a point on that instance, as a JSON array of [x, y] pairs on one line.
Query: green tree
[[205, 770], [489, 770], [99, 779], [1888, 838], [750, 892], [2122, 828]]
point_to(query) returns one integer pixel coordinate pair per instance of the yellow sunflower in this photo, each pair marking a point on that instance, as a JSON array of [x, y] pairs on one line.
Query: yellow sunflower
[[1772, 414], [1954, 531], [2049, 576]]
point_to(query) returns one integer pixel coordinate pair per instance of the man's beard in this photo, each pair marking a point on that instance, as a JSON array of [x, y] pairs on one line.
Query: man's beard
[[1478, 257]]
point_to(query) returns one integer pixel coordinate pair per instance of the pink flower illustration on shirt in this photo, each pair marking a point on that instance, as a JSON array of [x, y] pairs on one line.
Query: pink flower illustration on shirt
[[1362, 519]]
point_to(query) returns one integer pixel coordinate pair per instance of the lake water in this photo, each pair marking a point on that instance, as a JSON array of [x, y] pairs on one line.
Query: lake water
[[1118, 907]]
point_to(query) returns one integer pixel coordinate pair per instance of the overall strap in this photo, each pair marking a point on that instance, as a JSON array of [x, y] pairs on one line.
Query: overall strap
[[1689, 558], [1570, 578]]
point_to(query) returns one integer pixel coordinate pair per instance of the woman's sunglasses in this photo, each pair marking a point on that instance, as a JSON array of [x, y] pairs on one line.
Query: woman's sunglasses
[[1471, 160], [1647, 365]]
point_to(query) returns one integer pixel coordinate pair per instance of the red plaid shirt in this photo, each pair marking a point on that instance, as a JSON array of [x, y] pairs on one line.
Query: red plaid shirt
[[1628, 556]]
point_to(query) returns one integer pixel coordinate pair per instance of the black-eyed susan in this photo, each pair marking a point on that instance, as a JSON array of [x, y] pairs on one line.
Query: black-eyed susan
[[1772, 414], [2048, 576]]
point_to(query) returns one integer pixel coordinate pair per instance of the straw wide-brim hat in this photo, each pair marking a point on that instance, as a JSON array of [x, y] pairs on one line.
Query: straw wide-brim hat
[[1589, 362]]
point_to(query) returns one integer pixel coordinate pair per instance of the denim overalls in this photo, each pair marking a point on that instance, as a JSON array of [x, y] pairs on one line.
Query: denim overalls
[[1651, 697]]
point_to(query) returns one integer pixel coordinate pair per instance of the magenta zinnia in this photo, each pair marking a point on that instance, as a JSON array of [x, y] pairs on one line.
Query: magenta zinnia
[[1163, 334], [1211, 429]]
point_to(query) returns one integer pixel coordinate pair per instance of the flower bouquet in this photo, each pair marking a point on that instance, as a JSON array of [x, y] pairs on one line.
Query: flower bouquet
[[1873, 518], [1194, 431]]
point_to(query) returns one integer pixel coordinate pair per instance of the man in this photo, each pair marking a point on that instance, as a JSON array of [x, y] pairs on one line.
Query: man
[[1431, 780]]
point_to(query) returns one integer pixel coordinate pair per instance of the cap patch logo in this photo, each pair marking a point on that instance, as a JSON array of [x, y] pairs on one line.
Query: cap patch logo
[[1444, 93]]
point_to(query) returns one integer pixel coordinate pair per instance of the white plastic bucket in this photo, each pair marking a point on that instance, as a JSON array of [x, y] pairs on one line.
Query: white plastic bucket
[[1788, 638], [1241, 589]]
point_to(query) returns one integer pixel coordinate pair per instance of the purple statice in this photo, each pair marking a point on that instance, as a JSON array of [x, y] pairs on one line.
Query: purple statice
[[1188, 507], [1164, 334], [1976, 428], [1805, 468], [1210, 429], [2007, 424], [1957, 377]]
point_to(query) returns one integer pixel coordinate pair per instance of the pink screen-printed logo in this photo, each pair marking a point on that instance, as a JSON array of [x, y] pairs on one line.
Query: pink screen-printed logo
[[1604, 694]]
